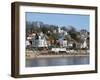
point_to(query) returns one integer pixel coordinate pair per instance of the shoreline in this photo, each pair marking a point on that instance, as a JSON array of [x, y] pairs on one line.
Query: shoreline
[[54, 56]]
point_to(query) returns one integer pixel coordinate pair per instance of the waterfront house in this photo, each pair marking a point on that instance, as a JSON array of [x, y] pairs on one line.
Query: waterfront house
[[39, 40], [84, 44], [27, 44], [28, 41]]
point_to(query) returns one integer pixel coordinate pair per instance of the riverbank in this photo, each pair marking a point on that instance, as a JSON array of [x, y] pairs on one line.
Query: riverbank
[[32, 55]]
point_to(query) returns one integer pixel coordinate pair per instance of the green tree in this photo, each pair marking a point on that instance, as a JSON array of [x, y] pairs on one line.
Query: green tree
[[73, 33]]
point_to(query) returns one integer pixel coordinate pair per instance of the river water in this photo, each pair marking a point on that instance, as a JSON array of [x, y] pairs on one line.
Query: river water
[[39, 62]]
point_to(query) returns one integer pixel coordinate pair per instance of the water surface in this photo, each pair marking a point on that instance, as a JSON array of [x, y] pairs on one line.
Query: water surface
[[39, 62]]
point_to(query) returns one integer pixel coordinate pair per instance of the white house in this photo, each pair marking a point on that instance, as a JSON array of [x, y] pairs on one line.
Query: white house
[[27, 43], [65, 43], [84, 44], [40, 41]]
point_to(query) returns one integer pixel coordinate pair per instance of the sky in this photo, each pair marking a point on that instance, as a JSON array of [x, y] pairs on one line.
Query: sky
[[75, 20]]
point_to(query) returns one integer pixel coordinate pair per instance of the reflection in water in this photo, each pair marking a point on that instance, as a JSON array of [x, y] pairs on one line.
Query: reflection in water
[[57, 61]]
